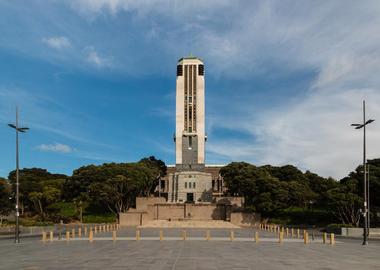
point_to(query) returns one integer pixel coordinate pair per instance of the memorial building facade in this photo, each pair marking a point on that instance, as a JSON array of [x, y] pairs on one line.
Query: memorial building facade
[[191, 189]]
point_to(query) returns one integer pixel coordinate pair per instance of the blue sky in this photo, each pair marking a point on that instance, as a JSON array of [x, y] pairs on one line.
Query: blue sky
[[95, 80]]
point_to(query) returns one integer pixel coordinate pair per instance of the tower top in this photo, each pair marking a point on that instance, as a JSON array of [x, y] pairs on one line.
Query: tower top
[[190, 57]]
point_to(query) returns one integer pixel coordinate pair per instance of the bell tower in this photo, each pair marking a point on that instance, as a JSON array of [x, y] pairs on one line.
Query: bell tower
[[190, 115]]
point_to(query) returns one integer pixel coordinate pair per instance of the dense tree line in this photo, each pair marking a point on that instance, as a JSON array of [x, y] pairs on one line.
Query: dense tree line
[[271, 190], [112, 187]]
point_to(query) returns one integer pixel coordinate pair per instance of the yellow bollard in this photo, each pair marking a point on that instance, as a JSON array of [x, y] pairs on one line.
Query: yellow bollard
[[232, 235], [91, 236], [298, 233], [51, 236], [287, 232], [79, 232], [104, 228], [332, 239], [114, 236], [161, 235], [184, 236], [208, 237], [67, 236], [44, 237], [281, 237], [324, 237], [73, 233], [257, 237], [292, 232], [306, 238], [137, 235], [85, 230]]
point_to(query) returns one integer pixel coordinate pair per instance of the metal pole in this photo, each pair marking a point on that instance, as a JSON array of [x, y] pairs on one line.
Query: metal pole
[[17, 236], [369, 212], [365, 178]]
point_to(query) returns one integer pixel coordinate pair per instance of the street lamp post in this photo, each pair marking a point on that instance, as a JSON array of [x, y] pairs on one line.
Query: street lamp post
[[23, 130], [365, 204], [368, 205]]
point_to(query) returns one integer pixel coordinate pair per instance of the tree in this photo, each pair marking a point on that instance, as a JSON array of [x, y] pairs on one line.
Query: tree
[[5, 203], [116, 185], [155, 164], [374, 189], [259, 189], [81, 203], [345, 201], [113, 192], [33, 181]]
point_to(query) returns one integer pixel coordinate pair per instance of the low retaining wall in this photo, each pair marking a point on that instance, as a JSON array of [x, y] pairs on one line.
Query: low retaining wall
[[245, 219], [143, 202], [357, 232], [134, 218]]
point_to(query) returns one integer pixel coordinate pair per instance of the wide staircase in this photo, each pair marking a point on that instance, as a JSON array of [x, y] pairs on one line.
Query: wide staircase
[[189, 224]]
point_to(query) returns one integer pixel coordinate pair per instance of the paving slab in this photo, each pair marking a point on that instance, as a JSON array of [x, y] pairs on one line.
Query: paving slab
[[218, 253]]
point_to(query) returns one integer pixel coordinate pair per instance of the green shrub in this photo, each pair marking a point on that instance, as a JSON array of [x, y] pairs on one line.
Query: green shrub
[[28, 222], [98, 218], [302, 216]]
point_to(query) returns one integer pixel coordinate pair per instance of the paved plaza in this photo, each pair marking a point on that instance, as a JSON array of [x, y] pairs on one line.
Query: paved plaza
[[194, 253]]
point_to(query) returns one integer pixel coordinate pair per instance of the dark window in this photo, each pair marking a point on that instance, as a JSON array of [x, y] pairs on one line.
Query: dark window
[[179, 70], [201, 70], [185, 184]]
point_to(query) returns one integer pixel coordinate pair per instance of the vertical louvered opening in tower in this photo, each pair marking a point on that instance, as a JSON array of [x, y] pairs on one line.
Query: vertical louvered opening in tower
[[201, 70], [179, 70]]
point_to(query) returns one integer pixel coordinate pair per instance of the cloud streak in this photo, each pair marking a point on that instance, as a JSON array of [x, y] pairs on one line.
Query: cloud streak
[[57, 42], [93, 57], [56, 147]]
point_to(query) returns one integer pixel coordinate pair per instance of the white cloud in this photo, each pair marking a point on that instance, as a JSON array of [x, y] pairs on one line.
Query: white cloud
[[57, 42], [94, 58], [56, 147], [339, 41], [314, 134]]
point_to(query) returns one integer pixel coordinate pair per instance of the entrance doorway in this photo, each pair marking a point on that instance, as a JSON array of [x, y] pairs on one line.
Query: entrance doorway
[[189, 197]]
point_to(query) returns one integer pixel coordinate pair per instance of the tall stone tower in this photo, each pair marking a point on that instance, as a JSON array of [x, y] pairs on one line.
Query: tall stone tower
[[190, 115], [189, 183]]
